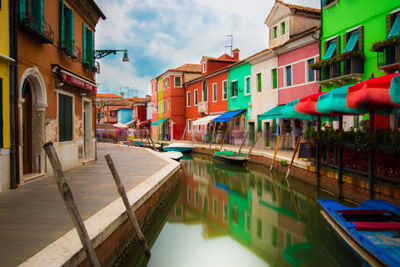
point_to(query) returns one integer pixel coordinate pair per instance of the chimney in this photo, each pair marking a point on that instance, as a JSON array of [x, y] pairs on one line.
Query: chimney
[[236, 54], [122, 94]]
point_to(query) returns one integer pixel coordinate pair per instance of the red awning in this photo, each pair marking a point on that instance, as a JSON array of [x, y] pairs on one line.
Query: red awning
[[372, 94], [308, 105], [143, 122]]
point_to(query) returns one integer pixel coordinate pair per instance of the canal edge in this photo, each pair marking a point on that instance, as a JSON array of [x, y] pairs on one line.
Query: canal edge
[[68, 251]]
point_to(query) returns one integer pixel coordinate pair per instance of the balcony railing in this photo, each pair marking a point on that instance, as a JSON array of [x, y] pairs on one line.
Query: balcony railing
[[353, 65], [331, 71], [41, 29], [389, 58]]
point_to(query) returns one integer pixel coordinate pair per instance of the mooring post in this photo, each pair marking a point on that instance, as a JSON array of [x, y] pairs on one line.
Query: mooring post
[[317, 165], [69, 202], [371, 173], [131, 215]]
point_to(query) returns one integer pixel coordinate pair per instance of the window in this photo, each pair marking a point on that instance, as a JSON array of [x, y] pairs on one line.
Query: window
[[199, 128], [247, 85], [169, 105], [214, 86], [188, 194], [259, 85], [274, 237], [205, 91], [204, 67], [177, 82], [178, 211], [189, 125], [311, 72], [196, 97], [352, 41], [169, 82], [215, 210], [188, 99], [288, 239], [274, 78], [393, 24], [330, 50], [326, 3], [235, 214], [283, 28], [34, 13], [163, 106], [66, 29], [1, 112], [87, 45], [259, 228], [65, 117], [225, 90], [205, 206], [288, 70], [275, 32], [196, 197], [234, 88], [225, 212], [247, 222]]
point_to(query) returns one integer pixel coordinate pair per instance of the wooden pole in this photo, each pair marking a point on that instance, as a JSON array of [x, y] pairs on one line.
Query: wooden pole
[[131, 215], [184, 133], [247, 133], [255, 142], [276, 152], [294, 154], [212, 137], [69, 202], [226, 132]]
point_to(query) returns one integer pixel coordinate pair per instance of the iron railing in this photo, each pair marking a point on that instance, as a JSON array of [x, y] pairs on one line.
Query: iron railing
[[389, 56], [353, 65], [331, 71], [39, 28]]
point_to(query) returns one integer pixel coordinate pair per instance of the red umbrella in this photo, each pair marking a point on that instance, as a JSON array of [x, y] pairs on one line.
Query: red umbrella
[[308, 105]]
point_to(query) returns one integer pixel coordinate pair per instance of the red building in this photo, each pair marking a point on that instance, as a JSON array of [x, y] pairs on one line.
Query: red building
[[201, 100], [139, 111]]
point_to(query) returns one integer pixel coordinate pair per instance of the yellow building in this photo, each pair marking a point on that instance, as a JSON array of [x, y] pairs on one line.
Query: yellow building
[[5, 61]]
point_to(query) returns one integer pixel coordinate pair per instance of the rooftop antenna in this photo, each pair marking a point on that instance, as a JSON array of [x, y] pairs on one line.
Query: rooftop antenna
[[231, 45]]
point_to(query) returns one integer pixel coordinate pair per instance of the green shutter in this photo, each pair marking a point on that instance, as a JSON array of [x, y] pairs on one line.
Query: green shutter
[[274, 79], [61, 23], [22, 10], [38, 14], [89, 35], [1, 112], [69, 28], [84, 60], [345, 37], [72, 30], [259, 82], [338, 45], [388, 24]]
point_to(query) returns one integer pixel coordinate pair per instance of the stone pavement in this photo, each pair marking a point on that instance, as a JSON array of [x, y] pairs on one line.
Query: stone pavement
[[34, 216]]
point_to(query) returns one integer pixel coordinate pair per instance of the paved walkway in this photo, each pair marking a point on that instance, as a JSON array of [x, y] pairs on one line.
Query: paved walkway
[[34, 216]]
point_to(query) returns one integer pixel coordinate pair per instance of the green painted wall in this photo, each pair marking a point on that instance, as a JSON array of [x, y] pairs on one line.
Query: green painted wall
[[241, 101], [348, 14], [237, 226]]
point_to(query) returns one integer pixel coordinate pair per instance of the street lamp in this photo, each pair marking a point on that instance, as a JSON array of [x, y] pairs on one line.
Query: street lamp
[[103, 53]]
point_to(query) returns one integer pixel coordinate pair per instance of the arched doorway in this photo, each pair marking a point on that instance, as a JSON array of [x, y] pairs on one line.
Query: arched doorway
[[32, 108]]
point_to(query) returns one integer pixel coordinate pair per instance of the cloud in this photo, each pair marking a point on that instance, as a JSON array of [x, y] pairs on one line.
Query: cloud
[[163, 34]]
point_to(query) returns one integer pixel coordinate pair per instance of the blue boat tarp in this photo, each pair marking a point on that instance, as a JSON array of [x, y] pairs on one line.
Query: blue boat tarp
[[158, 122], [227, 116]]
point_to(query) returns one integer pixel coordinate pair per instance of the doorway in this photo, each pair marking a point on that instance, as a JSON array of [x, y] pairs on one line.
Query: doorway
[[27, 129], [252, 132]]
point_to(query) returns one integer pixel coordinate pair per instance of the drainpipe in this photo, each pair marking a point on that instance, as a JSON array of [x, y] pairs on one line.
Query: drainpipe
[[14, 151]]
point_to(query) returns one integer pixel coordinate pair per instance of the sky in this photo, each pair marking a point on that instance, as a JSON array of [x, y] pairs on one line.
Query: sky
[[164, 34]]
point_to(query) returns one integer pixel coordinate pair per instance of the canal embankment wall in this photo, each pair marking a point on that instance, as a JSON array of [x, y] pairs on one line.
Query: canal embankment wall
[[109, 229], [354, 188]]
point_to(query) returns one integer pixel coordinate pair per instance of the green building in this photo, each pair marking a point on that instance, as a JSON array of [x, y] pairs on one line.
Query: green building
[[348, 31]]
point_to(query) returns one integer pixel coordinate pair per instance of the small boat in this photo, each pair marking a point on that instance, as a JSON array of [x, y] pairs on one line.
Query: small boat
[[181, 147], [370, 230], [230, 157], [175, 155]]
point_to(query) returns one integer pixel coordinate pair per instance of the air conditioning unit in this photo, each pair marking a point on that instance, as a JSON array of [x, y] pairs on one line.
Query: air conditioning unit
[[203, 107]]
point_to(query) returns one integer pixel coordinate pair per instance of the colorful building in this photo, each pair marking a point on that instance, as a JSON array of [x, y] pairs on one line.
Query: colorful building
[[346, 42], [168, 98], [57, 88], [101, 100], [208, 95]]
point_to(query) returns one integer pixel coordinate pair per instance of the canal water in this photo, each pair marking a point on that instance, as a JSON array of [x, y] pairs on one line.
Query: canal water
[[226, 215]]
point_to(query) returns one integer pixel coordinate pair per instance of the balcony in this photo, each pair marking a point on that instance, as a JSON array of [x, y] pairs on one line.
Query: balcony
[[40, 29], [203, 107], [389, 58], [349, 69]]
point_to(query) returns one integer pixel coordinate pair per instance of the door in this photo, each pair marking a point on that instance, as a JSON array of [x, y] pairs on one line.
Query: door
[[27, 129], [252, 133]]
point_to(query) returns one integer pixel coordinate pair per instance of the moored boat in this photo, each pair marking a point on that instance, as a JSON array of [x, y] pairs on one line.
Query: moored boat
[[370, 230], [175, 155], [180, 147], [230, 157]]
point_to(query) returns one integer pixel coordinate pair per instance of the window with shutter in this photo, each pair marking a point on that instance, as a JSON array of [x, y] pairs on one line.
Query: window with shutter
[[65, 117], [84, 41], [205, 89], [68, 30], [38, 14], [89, 47], [61, 23], [274, 78], [288, 75], [234, 89], [247, 85], [259, 85]]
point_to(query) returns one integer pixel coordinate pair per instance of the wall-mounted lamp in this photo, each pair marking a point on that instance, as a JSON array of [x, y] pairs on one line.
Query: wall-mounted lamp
[[103, 53]]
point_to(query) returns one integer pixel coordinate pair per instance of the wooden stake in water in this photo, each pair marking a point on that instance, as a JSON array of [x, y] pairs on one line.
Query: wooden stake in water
[[294, 154], [69, 202], [131, 215], [276, 152]]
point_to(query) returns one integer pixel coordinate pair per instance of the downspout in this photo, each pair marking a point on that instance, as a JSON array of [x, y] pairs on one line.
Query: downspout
[[14, 133]]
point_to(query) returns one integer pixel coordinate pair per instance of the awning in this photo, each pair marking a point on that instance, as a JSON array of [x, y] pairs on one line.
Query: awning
[[286, 112], [205, 120], [143, 122], [159, 121], [395, 89], [351, 43], [331, 49], [308, 104], [273, 113], [395, 30], [131, 122], [372, 94], [334, 101], [226, 117]]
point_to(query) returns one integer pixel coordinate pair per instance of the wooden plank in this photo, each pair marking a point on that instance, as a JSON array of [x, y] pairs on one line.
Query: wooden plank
[[69, 202], [131, 215]]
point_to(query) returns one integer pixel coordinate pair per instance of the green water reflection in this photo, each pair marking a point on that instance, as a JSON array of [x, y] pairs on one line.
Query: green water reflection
[[234, 216]]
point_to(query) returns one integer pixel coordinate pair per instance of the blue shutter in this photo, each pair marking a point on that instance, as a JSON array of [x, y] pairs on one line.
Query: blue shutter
[[351, 43], [84, 60], [61, 23], [331, 49], [38, 14], [22, 10], [395, 30]]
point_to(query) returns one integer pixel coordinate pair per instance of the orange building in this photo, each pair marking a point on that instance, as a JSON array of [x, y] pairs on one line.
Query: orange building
[[208, 94], [56, 82]]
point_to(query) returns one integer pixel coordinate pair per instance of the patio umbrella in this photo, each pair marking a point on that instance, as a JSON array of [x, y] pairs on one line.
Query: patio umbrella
[[395, 89], [334, 102], [372, 95], [308, 104]]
